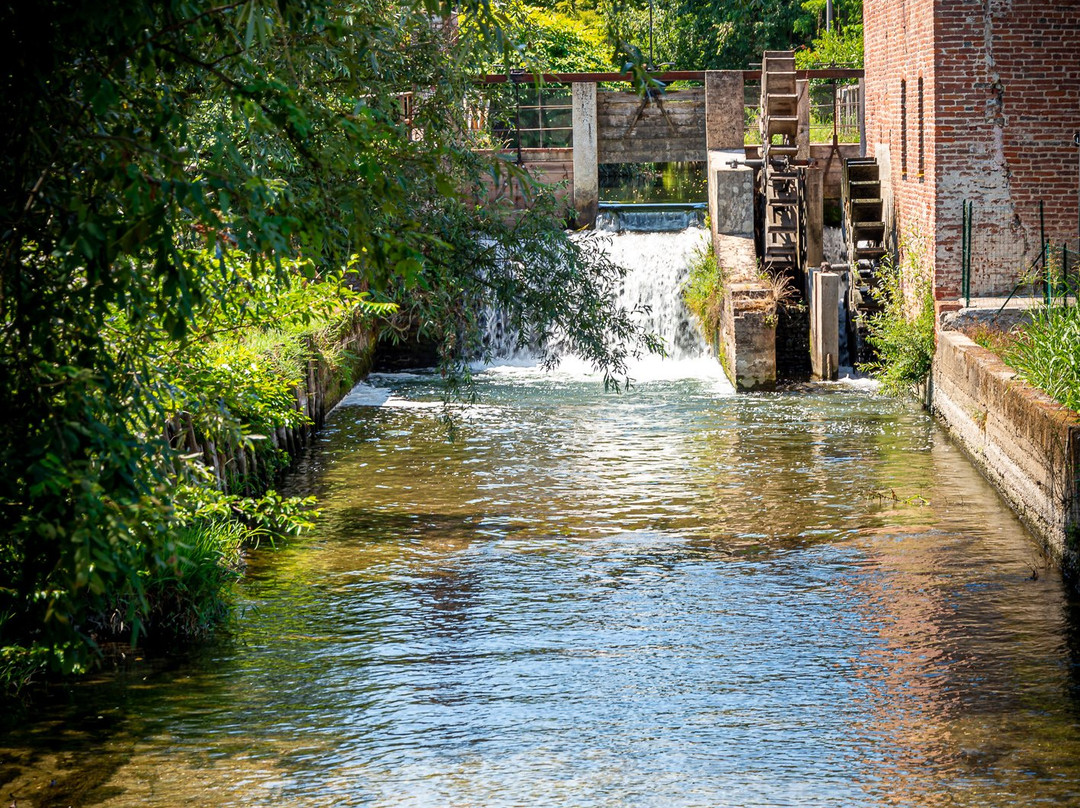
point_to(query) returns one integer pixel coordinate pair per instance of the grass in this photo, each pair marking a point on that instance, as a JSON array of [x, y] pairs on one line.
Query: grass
[[704, 292], [993, 339], [1046, 353], [186, 595], [186, 590]]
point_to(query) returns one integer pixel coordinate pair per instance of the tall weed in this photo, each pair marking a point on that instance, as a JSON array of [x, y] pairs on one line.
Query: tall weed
[[1046, 354], [902, 333], [704, 291]]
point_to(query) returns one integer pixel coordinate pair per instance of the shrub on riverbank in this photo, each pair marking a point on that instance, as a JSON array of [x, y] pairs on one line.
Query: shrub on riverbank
[[902, 332]]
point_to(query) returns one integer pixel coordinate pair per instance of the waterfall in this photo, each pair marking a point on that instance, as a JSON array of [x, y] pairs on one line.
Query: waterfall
[[658, 265], [615, 217]]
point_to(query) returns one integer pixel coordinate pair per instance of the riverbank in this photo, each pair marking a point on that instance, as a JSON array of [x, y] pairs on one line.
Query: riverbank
[[1025, 443], [237, 408]]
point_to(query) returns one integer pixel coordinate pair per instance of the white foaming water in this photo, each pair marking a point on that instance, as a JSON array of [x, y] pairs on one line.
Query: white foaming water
[[658, 266]]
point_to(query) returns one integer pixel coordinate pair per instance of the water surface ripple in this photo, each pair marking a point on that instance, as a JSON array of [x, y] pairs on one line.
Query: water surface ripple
[[671, 597]]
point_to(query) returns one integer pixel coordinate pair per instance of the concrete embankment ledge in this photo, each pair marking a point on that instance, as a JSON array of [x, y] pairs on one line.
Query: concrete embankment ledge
[[1025, 443]]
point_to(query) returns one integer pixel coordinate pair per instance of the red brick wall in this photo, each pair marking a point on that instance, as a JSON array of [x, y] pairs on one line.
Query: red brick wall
[[900, 48], [1002, 95]]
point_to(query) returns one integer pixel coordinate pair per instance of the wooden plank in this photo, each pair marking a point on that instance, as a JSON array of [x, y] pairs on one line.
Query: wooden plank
[[652, 152], [614, 96], [547, 155]]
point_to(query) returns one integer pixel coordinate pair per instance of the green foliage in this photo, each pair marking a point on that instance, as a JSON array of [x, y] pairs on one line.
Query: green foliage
[[902, 333], [1046, 353], [841, 47], [704, 291], [186, 594], [175, 181], [710, 34], [551, 41]]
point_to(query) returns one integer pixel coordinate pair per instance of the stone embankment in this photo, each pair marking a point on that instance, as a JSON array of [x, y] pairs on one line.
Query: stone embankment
[[1025, 443], [240, 470]]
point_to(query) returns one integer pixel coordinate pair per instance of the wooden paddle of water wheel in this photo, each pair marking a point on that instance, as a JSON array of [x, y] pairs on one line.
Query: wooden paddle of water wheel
[[864, 233], [782, 182]]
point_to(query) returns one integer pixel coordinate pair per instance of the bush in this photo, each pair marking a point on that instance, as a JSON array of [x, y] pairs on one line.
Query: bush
[[187, 593], [902, 333]]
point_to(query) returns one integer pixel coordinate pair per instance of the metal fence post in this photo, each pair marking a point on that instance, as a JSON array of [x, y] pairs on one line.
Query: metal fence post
[[965, 253], [1065, 273]]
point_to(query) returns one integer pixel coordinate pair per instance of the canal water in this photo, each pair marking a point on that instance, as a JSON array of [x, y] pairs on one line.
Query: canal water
[[673, 596]]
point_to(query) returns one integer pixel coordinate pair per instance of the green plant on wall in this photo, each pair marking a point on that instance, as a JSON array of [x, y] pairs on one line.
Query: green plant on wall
[[1044, 353], [704, 292], [902, 333]]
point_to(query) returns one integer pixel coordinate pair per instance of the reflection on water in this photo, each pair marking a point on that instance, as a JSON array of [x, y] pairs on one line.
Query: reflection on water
[[653, 182], [675, 597]]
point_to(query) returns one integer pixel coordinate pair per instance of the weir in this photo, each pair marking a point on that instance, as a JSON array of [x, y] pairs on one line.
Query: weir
[[766, 205]]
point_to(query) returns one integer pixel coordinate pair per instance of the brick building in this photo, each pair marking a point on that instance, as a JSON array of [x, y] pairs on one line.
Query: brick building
[[979, 100]]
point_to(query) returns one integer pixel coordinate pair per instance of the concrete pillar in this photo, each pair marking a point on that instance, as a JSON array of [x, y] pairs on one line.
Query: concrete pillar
[[731, 195], [802, 138], [815, 194], [825, 325], [724, 114], [586, 168]]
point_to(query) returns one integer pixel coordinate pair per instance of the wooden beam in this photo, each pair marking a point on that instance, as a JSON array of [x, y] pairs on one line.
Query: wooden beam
[[667, 77]]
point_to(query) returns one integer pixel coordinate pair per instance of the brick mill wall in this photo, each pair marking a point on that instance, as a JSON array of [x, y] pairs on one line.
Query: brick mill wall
[[1001, 95], [899, 51]]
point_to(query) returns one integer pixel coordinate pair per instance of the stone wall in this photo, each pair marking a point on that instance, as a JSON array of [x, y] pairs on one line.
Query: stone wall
[[1024, 443], [239, 470]]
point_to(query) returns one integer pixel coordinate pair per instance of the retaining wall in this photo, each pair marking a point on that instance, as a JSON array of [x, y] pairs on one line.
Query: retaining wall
[[1023, 442], [249, 471]]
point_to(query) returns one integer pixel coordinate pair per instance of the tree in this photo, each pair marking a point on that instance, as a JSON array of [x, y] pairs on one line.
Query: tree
[[145, 137]]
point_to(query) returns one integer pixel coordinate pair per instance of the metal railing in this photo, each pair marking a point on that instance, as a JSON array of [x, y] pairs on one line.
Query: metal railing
[[522, 110], [1051, 270], [516, 117]]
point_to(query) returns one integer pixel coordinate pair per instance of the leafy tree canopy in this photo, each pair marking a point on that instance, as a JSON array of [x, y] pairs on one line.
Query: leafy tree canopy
[[148, 145]]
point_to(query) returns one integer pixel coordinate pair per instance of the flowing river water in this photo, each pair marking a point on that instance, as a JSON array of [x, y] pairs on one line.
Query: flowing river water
[[673, 596]]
